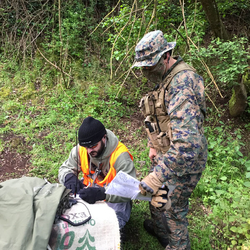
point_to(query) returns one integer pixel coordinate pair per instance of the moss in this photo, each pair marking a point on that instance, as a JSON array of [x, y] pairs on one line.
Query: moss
[[11, 105], [4, 92], [16, 143], [246, 80], [232, 100], [238, 101], [27, 92]]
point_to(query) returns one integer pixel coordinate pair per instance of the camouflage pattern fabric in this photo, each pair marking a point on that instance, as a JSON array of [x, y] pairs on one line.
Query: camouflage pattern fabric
[[184, 162], [150, 49], [172, 224], [185, 103]]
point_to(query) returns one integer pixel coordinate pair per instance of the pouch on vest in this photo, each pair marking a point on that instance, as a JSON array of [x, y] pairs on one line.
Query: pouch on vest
[[160, 139], [149, 108], [157, 120]]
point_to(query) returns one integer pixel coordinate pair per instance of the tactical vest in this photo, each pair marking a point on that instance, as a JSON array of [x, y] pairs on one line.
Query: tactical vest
[[112, 172], [157, 120]]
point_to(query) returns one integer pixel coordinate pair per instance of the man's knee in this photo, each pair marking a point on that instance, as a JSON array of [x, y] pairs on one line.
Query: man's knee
[[123, 211]]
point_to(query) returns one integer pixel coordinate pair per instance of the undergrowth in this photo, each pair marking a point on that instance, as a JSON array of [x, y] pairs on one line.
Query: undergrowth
[[41, 107], [219, 214]]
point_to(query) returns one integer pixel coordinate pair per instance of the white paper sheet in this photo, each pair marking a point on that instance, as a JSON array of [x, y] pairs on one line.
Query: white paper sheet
[[125, 185]]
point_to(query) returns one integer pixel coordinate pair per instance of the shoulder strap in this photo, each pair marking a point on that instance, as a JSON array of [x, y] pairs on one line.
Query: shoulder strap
[[178, 68]]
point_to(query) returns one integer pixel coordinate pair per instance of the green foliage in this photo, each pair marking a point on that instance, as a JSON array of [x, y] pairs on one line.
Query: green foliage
[[132, 23], [201, 231], [45, 114], [73, 24], [97, 106], [1, 145], [224, 186], [233, 7], [227, 59], [142, 161], [248, 105], [139, 238], [51, 38], [131, 28]]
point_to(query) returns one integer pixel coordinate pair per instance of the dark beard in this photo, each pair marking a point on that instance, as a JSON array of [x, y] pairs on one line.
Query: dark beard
[[101, 150]]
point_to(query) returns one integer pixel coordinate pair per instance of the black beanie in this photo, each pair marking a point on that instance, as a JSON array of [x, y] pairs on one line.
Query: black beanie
[[90, 132]]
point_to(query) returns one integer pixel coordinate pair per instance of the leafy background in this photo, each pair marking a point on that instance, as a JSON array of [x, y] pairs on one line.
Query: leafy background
[[61, 61]]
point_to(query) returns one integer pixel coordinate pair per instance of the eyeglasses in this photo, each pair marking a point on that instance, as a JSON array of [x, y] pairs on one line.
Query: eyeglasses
[[149, 67], [92, 146]]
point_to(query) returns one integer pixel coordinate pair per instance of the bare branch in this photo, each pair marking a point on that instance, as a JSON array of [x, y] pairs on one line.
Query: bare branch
[[53, 64]]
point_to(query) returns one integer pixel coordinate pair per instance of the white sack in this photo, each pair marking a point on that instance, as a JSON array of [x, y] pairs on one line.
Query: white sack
[[101, 232]]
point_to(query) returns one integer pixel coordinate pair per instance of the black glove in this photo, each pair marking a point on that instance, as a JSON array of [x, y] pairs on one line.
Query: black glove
[[92, 194], [73, 183]]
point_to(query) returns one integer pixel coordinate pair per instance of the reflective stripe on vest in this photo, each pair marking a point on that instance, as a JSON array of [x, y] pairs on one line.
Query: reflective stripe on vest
[[121, 148]]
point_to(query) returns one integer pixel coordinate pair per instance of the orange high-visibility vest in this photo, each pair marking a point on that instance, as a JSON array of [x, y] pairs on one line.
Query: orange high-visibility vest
[[121, 148]]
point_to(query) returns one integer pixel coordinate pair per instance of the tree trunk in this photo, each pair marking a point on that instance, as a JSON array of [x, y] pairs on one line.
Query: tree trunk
[[238, 101], [213, 16], [246, 79]]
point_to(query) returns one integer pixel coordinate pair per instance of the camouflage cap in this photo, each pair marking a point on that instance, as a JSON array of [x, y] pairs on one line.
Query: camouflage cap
[[150, 49]]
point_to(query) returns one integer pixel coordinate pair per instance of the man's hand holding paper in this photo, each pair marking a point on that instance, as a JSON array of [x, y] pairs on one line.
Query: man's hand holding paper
[[126, 186]]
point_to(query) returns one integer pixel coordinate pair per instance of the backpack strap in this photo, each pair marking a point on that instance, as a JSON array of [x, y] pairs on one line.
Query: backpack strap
[[165, 86]]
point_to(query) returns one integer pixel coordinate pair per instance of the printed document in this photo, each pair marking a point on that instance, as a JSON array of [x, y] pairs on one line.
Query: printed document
[[125, 185]]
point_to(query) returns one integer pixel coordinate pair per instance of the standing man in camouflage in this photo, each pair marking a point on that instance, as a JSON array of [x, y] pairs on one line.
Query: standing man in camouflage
[[174, 112]]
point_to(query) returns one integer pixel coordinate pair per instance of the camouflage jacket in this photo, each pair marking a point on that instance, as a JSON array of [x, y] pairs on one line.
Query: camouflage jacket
[[185, 104]]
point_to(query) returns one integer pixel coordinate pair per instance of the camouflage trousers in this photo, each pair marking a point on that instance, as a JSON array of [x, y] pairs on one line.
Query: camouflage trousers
[[172, 224]]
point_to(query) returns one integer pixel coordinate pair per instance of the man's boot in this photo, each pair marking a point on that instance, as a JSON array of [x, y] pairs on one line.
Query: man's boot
[[149, 227]]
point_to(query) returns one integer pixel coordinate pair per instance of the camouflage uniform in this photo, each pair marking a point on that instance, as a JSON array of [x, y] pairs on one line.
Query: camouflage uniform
[[182, 164]]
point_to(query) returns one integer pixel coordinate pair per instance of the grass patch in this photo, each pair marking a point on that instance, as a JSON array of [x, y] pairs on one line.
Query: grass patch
[[138, 238], [43, 128]]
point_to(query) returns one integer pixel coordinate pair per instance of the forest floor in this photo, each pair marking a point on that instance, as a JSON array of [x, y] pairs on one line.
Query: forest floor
[[16, 163], [16, 160]]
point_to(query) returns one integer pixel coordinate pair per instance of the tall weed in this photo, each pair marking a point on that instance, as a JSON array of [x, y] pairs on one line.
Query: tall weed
[[223, 186]]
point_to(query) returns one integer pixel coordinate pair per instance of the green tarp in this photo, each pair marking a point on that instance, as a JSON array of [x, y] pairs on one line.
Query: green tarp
[[27, 211]]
